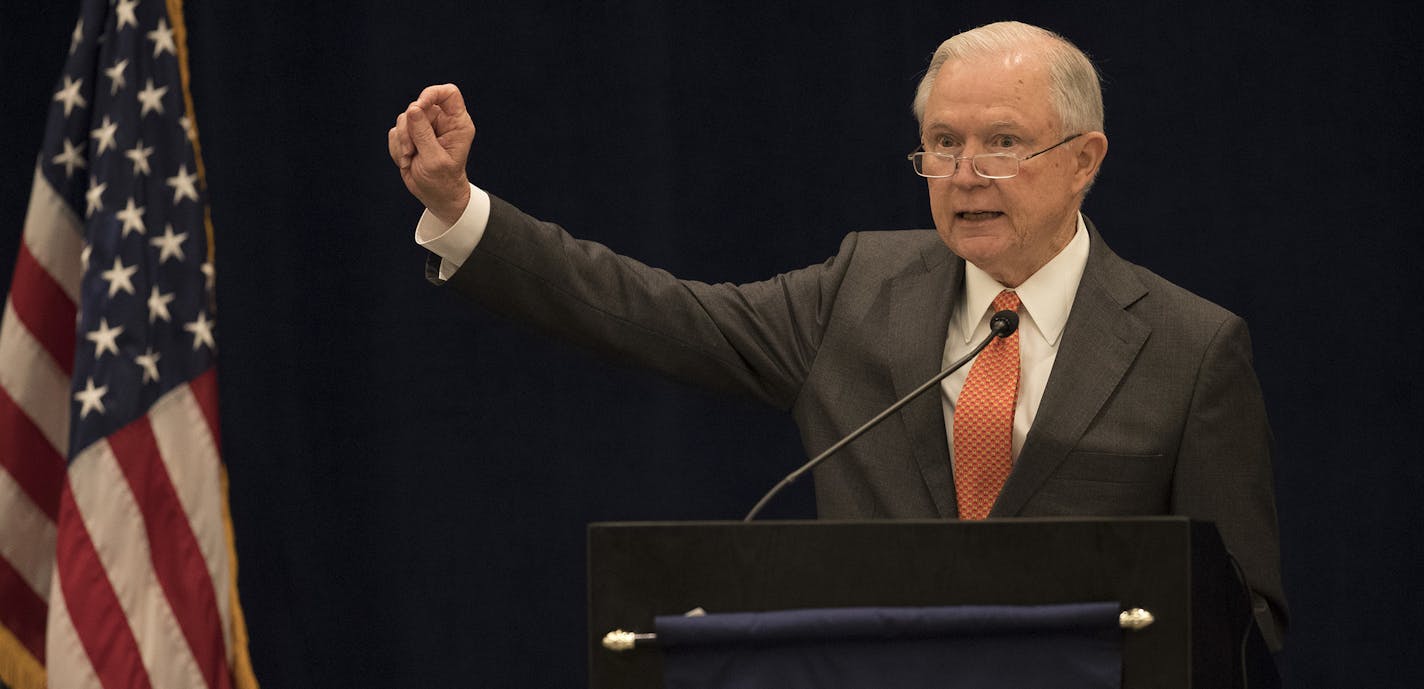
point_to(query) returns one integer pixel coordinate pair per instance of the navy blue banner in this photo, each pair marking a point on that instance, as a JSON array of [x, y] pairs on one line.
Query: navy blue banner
[[980, 647]]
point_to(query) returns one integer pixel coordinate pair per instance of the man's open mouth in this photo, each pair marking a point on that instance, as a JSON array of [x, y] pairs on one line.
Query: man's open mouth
[[978, 215]]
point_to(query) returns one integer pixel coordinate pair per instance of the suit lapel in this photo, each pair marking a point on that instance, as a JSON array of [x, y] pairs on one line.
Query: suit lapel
[[920, 305], [1100, 342]]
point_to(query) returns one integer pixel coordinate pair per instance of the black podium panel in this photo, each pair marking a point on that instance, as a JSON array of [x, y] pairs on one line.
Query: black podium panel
[[1171, 566]]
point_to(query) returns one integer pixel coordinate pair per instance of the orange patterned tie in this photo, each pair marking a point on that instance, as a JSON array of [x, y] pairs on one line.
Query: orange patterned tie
[[984, 421]]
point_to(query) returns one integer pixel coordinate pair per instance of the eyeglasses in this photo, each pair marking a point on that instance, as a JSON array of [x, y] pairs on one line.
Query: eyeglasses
[[986, 165]]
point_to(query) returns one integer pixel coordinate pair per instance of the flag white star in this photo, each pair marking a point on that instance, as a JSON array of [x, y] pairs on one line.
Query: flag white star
[[120, 277], [72, 157], [182, 184], [105, 134], [202, 330], [132, 216], [75, 38], [69, 95], [91, 398], [84, 255], [139, 155], [95, 196], [169, 245], [105, 338], [125, 11], [151, 98], [148, 361], [187, 124], [209, 275], [162, 38], [158, 305], [116, 76]]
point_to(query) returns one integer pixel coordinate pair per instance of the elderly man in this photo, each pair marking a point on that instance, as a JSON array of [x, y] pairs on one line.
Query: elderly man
[[1120, 394]]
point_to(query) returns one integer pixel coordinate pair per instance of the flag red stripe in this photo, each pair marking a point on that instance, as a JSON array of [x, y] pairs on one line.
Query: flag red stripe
[[22, 611], [44, 308], [27, 455], [205, 391], [177, 560], [93, 605]]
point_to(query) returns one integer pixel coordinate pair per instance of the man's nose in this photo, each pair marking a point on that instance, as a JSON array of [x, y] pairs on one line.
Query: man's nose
[[965, 176]]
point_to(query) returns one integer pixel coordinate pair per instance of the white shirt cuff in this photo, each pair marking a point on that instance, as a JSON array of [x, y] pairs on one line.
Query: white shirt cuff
[[454, 243]]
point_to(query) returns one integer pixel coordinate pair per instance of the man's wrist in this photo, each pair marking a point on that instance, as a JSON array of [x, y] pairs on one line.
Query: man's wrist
[[450, 214]]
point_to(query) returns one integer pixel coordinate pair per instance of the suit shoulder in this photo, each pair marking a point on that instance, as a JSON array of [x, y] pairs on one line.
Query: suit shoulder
[[1180, 318], [896, 247], [1175, 299], [904, 240], [1147, 294]]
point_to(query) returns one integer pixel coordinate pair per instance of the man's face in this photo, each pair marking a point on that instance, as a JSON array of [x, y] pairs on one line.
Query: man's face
[[1008, 227]]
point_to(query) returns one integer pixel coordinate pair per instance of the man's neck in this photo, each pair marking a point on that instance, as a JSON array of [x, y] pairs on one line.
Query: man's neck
[[1015, 276]]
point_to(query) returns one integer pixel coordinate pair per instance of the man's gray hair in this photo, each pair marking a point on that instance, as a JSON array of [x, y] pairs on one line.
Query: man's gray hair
[[1077, 96]]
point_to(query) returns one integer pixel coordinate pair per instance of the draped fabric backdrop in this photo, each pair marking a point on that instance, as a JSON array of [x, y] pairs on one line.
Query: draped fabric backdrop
[[410, 477]]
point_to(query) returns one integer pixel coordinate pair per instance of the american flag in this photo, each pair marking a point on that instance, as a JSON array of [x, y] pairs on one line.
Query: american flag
[[117, 566]]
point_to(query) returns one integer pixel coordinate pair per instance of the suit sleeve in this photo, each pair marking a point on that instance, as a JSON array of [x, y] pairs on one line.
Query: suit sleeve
[[1224, 470], [757, 339]]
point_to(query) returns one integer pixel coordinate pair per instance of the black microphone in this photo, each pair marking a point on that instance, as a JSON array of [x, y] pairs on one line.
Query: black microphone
[[1001, 324]]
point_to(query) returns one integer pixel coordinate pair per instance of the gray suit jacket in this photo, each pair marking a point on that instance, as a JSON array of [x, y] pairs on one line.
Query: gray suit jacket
[[1152, 407]]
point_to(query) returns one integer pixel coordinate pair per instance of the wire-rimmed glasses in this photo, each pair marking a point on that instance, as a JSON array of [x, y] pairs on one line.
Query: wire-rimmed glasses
[[986, 165]]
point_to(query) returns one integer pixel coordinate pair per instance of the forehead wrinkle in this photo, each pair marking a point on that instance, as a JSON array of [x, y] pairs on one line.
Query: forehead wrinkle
[[1006, 87]]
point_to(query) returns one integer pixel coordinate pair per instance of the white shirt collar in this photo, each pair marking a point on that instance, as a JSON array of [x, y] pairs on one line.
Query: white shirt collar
[[1047, 295]]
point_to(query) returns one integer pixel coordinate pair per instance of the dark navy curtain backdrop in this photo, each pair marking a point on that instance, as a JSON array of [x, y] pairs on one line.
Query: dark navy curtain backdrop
[[411, 477]]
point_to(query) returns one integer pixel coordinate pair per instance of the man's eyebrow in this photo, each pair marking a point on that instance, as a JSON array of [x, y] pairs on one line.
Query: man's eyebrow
[[946, 129], [996, 125]]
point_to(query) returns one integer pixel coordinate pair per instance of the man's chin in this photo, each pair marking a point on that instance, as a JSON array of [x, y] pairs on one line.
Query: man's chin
[[980, 249]]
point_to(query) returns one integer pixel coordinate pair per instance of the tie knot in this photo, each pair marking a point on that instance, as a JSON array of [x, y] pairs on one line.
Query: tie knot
[[1008, 300]]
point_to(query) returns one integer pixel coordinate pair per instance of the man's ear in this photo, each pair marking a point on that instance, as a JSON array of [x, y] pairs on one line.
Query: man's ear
[[1091, 151]]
